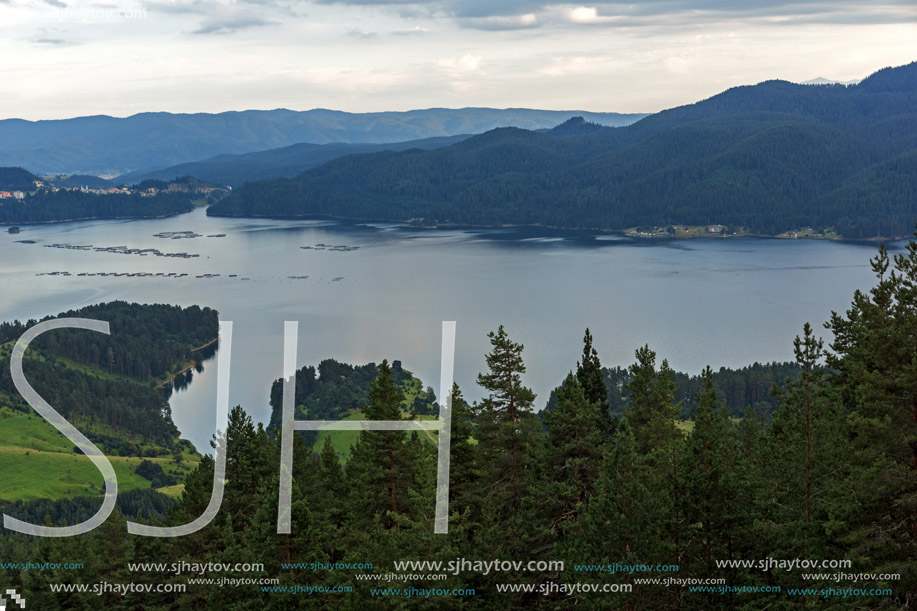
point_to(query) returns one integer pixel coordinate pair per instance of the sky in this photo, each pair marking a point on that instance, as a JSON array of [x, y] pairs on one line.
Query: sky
[[66, 58]]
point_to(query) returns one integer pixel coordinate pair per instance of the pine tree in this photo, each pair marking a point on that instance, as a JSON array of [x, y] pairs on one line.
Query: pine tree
[[510, 440], [652, 410], [652, 413], [574, 450], [626, 520], [463, 477], [874, 355], [247, 467], [379, 471], [709, 480], [808, 439], [590, 376]]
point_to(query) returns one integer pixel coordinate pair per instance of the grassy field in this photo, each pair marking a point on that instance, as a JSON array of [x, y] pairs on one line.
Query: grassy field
[[37, 461], [342, 441]]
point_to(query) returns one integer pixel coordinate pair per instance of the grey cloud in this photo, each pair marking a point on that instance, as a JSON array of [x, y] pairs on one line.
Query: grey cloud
[[53, 41], [358, 33], [208, 7], [231, 24], [500, 23], [818, 9], [181, 8], [415, 31], [371, 2], [680, 11], [488, 8]]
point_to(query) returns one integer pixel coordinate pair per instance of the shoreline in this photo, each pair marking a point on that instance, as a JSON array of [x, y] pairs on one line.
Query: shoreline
[[627, 232], [93, 218], [191, 366]]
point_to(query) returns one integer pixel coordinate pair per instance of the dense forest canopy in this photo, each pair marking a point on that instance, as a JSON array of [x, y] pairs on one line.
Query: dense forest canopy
[[768, 158]]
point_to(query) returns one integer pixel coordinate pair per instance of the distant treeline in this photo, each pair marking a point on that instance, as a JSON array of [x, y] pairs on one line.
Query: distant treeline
[[737, 389], [47, 206]]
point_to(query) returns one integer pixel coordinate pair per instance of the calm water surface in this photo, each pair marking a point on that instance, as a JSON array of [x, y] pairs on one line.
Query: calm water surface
[[727, 302]]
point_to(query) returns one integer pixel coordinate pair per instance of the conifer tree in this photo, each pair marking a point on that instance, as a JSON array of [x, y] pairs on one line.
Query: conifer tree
[[652, 413], [590, 376], [574, 450], [709, 480], [510, 439], [652, 410], [874, 355], [379, 471], [807, 457], [626, 520], [463, 477]]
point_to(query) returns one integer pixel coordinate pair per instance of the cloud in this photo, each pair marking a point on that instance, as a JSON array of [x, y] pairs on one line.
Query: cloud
[[210, 7], [57, 42], [501, 22], [230, 24], [358, 33], [351, 81], [460, 65], [370, 2], [482, 14], [565, 66], [584, 14], [196, 7], [415, 31]]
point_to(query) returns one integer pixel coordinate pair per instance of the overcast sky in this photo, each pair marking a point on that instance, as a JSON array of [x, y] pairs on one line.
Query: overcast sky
[[64, 58]]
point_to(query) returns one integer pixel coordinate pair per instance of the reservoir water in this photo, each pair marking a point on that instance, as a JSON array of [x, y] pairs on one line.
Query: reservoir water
[[722, 302]]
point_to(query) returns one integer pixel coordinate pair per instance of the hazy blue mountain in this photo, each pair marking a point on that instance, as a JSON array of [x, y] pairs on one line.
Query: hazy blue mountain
[[106, 145], [770, 157], [234, 170]]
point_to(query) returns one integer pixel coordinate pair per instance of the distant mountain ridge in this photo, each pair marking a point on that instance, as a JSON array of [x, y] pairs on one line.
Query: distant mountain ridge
[[770, 158], [103, 145], [234, 170]]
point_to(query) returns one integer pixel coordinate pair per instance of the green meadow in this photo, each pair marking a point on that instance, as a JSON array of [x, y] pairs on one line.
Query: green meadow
[[37, 461]]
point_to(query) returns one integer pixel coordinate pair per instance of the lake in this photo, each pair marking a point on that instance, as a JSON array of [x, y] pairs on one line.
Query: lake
[[722, 302]]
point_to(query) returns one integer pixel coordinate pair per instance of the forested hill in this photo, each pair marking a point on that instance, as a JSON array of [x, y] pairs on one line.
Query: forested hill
[[104, 384], [335, 390], [16, 179], [234, 170], [769, 158]]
